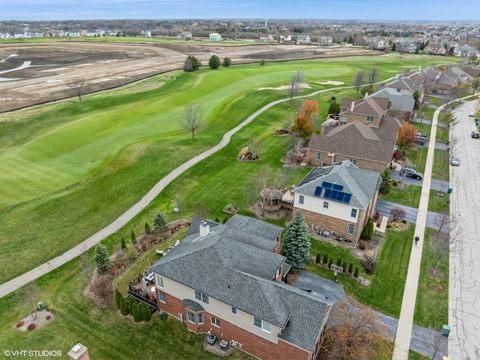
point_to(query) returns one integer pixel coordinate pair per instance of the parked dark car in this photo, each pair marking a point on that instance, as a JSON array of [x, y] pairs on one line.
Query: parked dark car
[[408, 172], [475, 134]]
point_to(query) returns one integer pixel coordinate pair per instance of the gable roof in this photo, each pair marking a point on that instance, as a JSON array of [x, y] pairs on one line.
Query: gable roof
[[370, 106], [358, 140], [239, 274], [404, 83], [361, 183]]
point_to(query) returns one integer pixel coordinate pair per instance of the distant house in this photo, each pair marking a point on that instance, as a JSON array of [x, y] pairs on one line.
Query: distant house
[[401, 101], [268, 38], [366, 134], [303, 40], [215, 37], [338, 198], [227, 280], [465, 51], [437, 81], [186, 35], [435, 49], [285, 39], [325, 40]]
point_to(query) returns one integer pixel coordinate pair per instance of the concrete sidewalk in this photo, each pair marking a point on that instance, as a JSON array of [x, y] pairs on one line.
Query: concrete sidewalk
[[405, 324]]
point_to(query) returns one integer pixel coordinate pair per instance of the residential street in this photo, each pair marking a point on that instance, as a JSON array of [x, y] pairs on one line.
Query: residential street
[[384, 207], [464, 286], [423, 339], [438, 185]]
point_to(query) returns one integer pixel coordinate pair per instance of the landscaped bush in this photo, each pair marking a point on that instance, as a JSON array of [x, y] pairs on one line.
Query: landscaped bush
[[339, 262], [344, 266], [20, 324], [330, 263], [368, 231], [376, 216], [145, 312], [118, 297], [369, 264], [362, 244], [350, 268], [136, 312], [317, 259], [31, 326], [355, 273], [48, 317], [147, 228], [160, 222], [325, 259], [397, 214], [124, 244], [102, 290], [123, 307], [133, 237]]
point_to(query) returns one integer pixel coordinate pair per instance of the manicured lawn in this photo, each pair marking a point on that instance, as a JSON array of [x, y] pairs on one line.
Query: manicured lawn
[[438, 202], [408, 196], [105, 332], [428, 113], [386, 290], [435, 100], [441, 165], [431, 309], [418, 157], [91, 160]]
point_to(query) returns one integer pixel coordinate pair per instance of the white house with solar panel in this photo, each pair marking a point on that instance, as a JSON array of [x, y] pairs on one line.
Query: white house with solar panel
[[337, 200]]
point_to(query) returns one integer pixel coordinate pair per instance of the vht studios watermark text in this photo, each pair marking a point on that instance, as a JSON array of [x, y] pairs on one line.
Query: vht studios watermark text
[[32, 353]]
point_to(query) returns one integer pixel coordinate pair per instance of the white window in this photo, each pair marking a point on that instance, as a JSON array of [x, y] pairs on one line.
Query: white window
[[191, 317], [215, 321], [161, 297], [234, 310], [351, 229], [301, 199], [370, 118], [354, 213], [201, 296], [265, 326], [325, 204], [200, 318], [159, 280]]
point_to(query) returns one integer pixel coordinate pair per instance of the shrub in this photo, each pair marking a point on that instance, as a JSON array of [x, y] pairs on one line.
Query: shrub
[[160, 222], [362, 245], [136, 312], [147, 228], [318, 259], [145, 312], [262, 62], [20, 324], [191, 64], [325, 259], [376, 216], [48, 317], [124, 244], [214, 62], [369, 264], [217, 220], [339, 262], [118, 297], [123, 307], [368, 231], [397, 214], [330, 263], [350, 268], [133, 237], [225, 219], [386, 184], [31, 326], [344, 266], [102, 259], [355, 273], [226, 61], [102, 288], [394, 183]]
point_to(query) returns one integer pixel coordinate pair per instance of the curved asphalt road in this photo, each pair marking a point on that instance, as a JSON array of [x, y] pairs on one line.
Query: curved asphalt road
[[127, 216]]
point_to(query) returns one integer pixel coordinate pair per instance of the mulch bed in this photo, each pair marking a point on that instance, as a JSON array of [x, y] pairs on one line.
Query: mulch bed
[[34, 320]]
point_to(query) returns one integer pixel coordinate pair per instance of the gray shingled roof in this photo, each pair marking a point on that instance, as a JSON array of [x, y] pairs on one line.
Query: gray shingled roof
[[195, 225], [361, 183], [240, 274], [192, 305]]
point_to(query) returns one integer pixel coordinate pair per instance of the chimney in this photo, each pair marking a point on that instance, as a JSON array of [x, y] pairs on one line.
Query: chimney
[[352, 106], [78, 352], [204, 228]]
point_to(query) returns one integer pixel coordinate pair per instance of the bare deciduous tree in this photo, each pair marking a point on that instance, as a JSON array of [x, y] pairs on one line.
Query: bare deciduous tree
[[358, 80], [192, 119], [295, 81], [78, 86], [256, 185], [353, 333], [31, 294], [87, 267], [373, 75]]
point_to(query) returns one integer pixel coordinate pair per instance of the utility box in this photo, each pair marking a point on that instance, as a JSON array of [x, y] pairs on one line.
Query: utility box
[[449, 190], [446, 330], [78, 352]]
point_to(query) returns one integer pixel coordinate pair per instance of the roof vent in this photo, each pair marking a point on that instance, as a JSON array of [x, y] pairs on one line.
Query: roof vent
[[204, 228]]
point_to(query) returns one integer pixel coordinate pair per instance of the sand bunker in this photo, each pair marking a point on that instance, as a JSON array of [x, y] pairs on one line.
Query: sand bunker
[[330, 82], [286, 87]]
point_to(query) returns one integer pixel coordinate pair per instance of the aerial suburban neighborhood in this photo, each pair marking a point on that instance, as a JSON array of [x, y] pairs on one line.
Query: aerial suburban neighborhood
[[242, 180]]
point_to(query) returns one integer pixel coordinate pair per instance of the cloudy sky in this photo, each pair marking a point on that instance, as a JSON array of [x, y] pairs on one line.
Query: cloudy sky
[[303, 9]]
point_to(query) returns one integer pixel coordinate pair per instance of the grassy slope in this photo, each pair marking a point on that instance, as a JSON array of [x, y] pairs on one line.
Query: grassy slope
[[408, 196], [90, 160]]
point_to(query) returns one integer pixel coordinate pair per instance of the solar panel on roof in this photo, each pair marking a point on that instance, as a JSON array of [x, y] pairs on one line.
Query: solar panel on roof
[[318, 191], [347, 198], [337, 187], [327, 185], [327, 194]]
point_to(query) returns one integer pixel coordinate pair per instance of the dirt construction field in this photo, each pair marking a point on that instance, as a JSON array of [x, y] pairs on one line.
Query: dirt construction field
[[34, 73]]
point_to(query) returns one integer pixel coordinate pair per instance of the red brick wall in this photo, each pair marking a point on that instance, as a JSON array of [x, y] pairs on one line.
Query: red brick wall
[[250, 343]]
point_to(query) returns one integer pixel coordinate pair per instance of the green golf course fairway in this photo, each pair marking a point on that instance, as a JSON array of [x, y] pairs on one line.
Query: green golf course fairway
[[70, 168]]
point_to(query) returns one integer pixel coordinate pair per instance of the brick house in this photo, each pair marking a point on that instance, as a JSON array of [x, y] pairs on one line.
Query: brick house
[[338, 198], [366, 134], [227, 279]]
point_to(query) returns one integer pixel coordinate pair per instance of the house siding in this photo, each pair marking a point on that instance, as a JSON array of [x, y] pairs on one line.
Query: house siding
[[243, 340]]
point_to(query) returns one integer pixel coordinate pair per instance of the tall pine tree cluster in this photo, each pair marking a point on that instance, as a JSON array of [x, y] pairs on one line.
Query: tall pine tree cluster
[[296, 242]]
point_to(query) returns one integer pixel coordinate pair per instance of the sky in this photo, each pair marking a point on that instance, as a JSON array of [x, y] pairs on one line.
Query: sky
[[272, 9]]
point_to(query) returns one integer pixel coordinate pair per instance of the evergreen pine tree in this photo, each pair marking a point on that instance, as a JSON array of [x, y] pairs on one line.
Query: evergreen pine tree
[[368, 231], [124, 244], [118, 297], [350, 268], [339, 262], [214, 62], [318, 258], [133, 237], [145, 312], [160, 223], [102, 259], [137, 315], [355, 273], [188, 66], [227, 62], [296, 247], [386, 184], [325, 259], [334, 108], [123, 307], [147, 228], [330, 263]]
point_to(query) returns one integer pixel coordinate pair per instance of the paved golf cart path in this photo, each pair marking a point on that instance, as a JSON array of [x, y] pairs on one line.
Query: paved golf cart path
[[21, 280]]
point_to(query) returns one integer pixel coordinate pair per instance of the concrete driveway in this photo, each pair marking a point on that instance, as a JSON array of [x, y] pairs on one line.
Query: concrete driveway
[[433, 219], [464, 285], [423, 339], [438, 185]]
